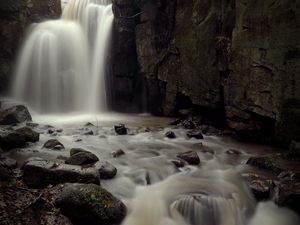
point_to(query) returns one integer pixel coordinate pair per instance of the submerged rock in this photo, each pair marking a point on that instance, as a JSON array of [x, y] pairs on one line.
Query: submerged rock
[[10, 139], [191, 157], [106, 170], [41, 173], [15, 114], [121, 129], [170, 134], [53, 144], [89, 204], [194, 134], [117, 153], [30, 135], [81, 157]]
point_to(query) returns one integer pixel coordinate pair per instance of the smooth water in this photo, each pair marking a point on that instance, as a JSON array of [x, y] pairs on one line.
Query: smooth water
[[153, 189], [63, 63]]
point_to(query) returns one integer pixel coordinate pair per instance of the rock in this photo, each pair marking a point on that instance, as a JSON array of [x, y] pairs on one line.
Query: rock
[[88, 124], [117, 153], [74, 151], [51, 131], [89, 204], [194, 134], [233, 152], [90, 132], [59, 130], [30, 135], [188, 124], [10, 139], [31, 124], [41, 173], [191, 157], [175, 122], [53, 144], [121, 129], [106, 170], [177, 162], [8, 163], [81, 158], [266, 163], [170, 135], [15, 114], [78, 140]]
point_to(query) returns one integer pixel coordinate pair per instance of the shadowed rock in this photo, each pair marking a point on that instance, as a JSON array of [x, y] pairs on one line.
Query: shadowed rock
[[194, 134], [117, 153], [81, 157], [10, 139], [191, 157], [53, 144], [121, 129], [15, 114], [30, 135], [106, 170]]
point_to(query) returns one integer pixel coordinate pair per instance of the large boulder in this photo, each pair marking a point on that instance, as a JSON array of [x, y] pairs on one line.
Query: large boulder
[[15, 114], [81, 157], [89, 204], [10, 139], [41, 173]]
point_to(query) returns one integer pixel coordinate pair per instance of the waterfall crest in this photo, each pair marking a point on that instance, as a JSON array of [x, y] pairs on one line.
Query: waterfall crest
[[62, 65]]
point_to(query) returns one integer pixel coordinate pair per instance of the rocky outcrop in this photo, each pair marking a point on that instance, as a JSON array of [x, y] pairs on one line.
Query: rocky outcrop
[[233, 60], [15, 16]]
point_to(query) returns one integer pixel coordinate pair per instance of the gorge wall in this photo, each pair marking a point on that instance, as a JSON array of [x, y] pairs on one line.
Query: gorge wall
[[15, 17], [234, 60]]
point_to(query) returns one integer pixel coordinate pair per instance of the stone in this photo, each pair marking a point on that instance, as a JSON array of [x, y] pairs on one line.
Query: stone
[[82, 158], [178, 162], [120, 129], [30, 135], [74, 151], [10, 139], [15, 114], [170, 135], [41, 173], [90, 132], [266, 163], [191, 157], [106, 170], [89, 204], [175, 122], [194, 134], [89, 124], [53, 144], [8, 163], [117, 153], [188, 124]]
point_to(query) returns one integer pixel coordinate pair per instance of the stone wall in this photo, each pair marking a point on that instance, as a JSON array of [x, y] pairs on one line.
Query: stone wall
[[15, 17]]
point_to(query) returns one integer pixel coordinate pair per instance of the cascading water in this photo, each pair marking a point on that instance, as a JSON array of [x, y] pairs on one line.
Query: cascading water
[[62, 66]]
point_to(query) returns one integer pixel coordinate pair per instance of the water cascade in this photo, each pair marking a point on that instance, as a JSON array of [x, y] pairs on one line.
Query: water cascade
[[62, 65]]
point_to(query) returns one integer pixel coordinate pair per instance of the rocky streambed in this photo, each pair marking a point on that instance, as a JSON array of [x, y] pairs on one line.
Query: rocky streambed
[[140, 170]]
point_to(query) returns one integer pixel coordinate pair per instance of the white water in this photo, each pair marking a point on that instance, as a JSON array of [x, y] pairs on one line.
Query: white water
[[63, 63]]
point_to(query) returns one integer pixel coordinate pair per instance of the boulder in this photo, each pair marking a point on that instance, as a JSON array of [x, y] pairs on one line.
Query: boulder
[[117, 153], [89, 204], [30, 135], [106, 170], [191, 157], [170, 135], [53, 144], [194, 134], [266, 163], [41, 173], [81, 157], [15, 114], [121, 129], [10, 139]]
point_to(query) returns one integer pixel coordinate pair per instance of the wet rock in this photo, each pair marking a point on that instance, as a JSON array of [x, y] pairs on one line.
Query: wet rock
[[175, 122], [233, 152], [10, 139], [51, 131], [8, 163], [41, 173], [177, 162], [266, 163], [170, 134], [81, 157], [117, 153], [188, 124], [59, 130], [194, 134], [30, 135], [53, 144], [88, 124], [90, 132], [106, 170], [191, 157], [15, 114], [89, 204], [120, 129], [78, 140], [294, 146], [31, 124]]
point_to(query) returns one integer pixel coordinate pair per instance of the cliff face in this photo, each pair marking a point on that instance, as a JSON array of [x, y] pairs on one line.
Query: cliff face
[[233, 58], [15, 16]]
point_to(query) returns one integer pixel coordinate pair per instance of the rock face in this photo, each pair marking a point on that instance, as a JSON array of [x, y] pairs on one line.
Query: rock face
[[15, 16], [15, 114], [90, 204], [41, 173], [233, 60]]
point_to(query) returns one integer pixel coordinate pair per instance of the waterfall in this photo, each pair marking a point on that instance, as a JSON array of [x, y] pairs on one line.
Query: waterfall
[[62, 65]]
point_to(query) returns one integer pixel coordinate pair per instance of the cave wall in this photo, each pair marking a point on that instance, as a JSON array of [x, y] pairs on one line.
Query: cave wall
[[15, 17], [236, 57]]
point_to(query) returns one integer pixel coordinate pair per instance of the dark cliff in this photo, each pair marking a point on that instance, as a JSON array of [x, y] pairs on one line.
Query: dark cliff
[[15, 16], [236, 61]]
